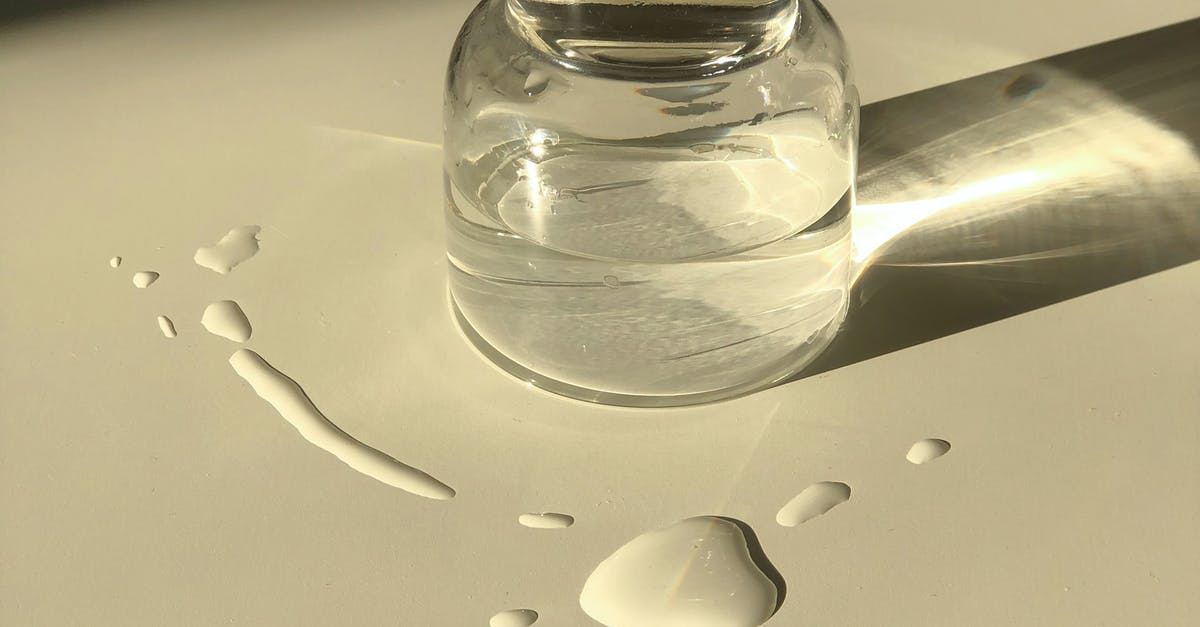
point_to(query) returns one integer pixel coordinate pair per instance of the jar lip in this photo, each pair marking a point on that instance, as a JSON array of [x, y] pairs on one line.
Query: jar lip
[[679, 41], [642, 3]]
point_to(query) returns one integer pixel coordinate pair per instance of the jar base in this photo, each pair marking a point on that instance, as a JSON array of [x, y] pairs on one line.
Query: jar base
[[786, 369]]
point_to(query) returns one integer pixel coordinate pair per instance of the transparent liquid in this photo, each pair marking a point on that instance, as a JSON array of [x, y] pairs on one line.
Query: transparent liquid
[[633, 220], [698, 572]]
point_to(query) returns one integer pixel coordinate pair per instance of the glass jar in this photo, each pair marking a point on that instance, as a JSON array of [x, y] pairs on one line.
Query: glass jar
[[647, 202]]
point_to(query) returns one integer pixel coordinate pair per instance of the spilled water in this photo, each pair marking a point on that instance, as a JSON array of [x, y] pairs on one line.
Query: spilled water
[[698, 572], [514, 618], [928, 450], [144, 279], [286, 396], [237, 246], [166, 326], [546, 520], [226, 319], [813, 501]]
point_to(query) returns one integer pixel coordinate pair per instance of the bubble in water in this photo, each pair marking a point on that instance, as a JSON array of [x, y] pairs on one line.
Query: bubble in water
[[815, 500], [166, 326], [514, 618], [226, 319], [237, 246], [546, 520], [612, 281], [927, 450], [144, 279], [536, 82], [115, 262], [698, 572], [286, 396]]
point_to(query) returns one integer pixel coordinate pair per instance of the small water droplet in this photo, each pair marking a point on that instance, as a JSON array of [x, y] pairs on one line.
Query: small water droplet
[[166, 326], [226, 319], [290, 401], [237, 246], [536, 82], [144, 279], [928, 450], [813, 501], [699, 572], [514, 618], [115, 262], [612, 281], [792, 61], [546, 520]]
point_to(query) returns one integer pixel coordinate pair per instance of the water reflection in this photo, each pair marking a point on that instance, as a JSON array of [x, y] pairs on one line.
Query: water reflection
[[1014, 190]]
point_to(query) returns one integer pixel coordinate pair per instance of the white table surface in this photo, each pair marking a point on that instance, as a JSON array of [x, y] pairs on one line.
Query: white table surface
[[143, 483]]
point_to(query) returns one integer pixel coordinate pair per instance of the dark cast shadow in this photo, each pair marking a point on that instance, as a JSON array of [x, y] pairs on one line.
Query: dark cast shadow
[[1021, 188]]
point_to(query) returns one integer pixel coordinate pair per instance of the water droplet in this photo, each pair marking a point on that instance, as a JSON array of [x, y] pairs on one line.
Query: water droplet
[[226, 319], [115, 262], [237, 246], [699, 572], [536, 82], [514, 618], [612, 281], [166, 326], [792, 61], [928, 450], [144, 279], [290, 401], [815, 500], [702, 148], [546, 520]]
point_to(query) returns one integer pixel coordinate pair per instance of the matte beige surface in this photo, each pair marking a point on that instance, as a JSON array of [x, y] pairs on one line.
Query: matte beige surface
[[142, 482]]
